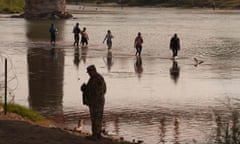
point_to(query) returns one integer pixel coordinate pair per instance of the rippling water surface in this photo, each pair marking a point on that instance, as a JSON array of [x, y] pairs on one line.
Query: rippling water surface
[[151, 98]]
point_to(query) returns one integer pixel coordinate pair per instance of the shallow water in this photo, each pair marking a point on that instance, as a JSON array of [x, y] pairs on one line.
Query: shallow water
[[152, 98]]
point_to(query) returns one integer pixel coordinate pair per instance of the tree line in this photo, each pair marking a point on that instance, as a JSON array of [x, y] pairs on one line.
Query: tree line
[[170, 3], [17, 6]]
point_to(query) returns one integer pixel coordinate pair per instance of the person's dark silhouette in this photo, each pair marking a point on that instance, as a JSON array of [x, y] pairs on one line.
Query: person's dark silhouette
[[94, 91], [175, 45], [175, 71], [138, 66], [84, 54], [76, 56], [109, 60]]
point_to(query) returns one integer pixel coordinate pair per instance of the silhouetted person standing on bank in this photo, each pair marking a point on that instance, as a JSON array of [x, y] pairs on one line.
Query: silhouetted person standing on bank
[[94, 92], [76, 31], [175, 45], [138, 44], [53, 32]]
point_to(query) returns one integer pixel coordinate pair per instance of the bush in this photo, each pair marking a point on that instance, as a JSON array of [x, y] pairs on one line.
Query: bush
[[12, 6], [24, 112]]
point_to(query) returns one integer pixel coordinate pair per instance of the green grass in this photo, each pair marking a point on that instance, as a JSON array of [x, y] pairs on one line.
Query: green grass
[[25, 112], [12, 6], [183, 3], [231, 3]]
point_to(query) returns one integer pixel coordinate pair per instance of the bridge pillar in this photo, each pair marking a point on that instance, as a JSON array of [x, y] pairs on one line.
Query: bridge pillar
[[45, 9]]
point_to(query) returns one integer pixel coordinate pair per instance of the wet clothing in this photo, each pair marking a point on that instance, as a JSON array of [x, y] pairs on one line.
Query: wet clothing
[[84, 39], [109, 37], [95, 90], [53, 31], [175, 45], [138, 44], [76, 31]]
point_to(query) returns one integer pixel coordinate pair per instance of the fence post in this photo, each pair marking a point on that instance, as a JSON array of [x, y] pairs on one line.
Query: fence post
[[5, 101]]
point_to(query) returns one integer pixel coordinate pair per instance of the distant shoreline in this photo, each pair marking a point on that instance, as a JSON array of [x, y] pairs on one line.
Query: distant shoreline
[[112, 4], [148, 6]]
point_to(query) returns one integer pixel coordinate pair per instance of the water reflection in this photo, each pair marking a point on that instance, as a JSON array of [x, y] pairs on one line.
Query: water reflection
[[112, 123], [45, 70], [164, 124], [175, 71], [116, 125], [227, 130], [84, 51], [138, 66], [176, 130], [76, 59], [162, 130], [45, 75], [217, 44], [109, 60]]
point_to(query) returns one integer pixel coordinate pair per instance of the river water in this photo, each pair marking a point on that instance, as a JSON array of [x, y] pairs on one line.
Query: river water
[[151, 98]]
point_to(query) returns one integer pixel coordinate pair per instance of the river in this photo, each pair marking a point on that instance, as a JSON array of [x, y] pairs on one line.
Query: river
[[152, 98]]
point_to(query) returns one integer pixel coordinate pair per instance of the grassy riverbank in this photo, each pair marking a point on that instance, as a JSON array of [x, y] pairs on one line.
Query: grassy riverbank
[[12, 6], [23, 125], [25, 113]]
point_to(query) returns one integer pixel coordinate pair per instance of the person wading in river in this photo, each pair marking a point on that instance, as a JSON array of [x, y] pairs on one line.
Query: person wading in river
[[175, 45], [76, 31], [53, 32], [109, 38], [138, 44]]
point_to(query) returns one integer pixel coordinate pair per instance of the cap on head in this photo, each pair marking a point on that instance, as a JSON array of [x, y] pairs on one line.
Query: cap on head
[[91, 68]]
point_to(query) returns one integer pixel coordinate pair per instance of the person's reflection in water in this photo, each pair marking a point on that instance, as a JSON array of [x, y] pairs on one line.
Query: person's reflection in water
[[218, 129], [76, 60], [84, 54], [116, 125], [176, 130], [138, 66], [109, 60], [162, 130], [53, 53], [45, 73], [175, 71], [45, 70]]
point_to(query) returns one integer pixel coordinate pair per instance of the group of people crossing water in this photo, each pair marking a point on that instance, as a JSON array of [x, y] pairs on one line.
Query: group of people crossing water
[[84, 35], [94, 90], [138, 41]]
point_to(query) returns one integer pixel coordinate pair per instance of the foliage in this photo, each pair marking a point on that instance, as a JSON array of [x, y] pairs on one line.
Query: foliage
[[24, 112], [178, 3], [187, 3], [12, 6], [17, 6]]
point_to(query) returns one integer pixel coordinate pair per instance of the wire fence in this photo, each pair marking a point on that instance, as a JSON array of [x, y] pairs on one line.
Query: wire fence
[[12, 80]]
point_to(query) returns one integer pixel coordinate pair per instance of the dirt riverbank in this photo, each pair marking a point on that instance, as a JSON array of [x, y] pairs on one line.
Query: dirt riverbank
[[15, 130]]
